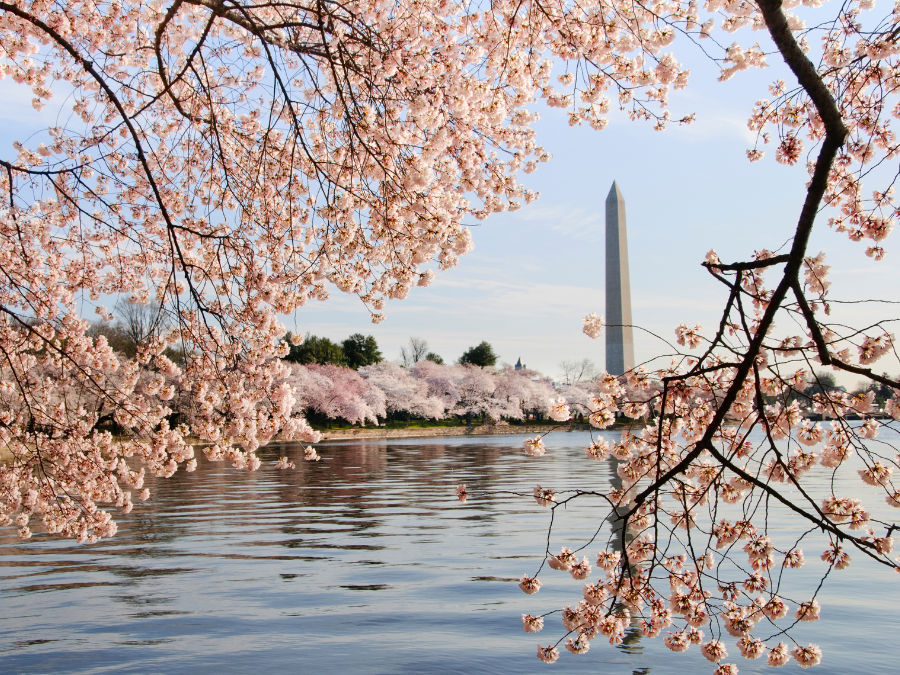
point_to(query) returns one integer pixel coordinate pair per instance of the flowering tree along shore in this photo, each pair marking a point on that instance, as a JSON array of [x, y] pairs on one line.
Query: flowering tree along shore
[[426, 391], [226, 161]]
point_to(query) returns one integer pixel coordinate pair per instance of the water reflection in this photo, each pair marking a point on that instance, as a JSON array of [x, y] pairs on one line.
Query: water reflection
[[362, 562]]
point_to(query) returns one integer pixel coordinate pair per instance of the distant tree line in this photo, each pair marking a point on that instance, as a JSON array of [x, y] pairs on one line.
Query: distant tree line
[[136, 323], [351, 381], [358, 351], [387, 391]]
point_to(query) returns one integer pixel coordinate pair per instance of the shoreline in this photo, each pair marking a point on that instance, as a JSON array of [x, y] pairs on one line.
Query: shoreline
[[374, 433], [429, 432]]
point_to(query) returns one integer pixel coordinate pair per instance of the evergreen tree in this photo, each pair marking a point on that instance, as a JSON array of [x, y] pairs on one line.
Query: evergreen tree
[[361, 350], [317, 350], [482, 355]]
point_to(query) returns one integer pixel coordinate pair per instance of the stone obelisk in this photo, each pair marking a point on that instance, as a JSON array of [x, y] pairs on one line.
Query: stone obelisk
[[619, 339]]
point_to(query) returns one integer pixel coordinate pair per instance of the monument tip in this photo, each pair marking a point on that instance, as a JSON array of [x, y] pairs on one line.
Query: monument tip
[[614, 193]]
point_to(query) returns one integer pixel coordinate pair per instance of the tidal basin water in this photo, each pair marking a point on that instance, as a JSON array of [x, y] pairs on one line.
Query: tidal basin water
[[366, 563]]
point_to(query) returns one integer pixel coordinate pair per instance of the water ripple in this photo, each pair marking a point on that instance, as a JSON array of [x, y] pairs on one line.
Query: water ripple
[[364, 563]]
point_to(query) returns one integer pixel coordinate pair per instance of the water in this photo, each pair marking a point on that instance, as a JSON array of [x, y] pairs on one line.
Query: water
[[365, 563]]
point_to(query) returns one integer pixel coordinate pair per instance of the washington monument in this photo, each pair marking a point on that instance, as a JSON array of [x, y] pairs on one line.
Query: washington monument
[[619, 339]]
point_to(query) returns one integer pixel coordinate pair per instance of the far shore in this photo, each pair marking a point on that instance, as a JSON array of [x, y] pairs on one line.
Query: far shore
[[360, 433], [428, 432], [331, 435]]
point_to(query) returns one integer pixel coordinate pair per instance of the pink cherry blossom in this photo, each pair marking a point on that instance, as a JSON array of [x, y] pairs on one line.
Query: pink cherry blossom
[[726, 669], [562, 560], [678, 642], [883, 545], [579, 645], [559, 411], [580, 570], [595, 594], [689, 337], [597, 450], [808, 611], [714, 651], [778, 655], [808, 656], [544, 496], [593, 325], [751, 648], [529, 584], [548, 654], [534, 446], [532, 624]]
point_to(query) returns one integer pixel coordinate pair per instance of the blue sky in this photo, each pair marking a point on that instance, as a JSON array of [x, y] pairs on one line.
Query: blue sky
[[535, 273]]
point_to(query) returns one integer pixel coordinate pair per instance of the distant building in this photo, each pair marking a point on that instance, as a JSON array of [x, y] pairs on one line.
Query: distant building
[[519, 364]]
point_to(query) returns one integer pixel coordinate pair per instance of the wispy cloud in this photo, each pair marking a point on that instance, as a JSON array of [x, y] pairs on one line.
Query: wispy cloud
[[569, 221]]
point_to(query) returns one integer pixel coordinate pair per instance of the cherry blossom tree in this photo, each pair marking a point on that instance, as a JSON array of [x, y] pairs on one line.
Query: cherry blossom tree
[[579, 397], [476, 388], [440, 381], [335, 392], [403, 393], [532, 392], [230, 163]]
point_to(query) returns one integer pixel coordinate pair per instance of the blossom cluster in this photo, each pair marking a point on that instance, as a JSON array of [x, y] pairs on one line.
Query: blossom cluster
[[706, 435], [668, 593], [427, 390]]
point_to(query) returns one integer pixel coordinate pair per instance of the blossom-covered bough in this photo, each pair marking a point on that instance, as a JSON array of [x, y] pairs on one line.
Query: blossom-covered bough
[[729, 433], [226, 161]]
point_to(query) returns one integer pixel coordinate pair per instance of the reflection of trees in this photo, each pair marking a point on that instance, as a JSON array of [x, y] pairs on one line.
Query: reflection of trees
[[357, 492], [318, 523], [347, 486]]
